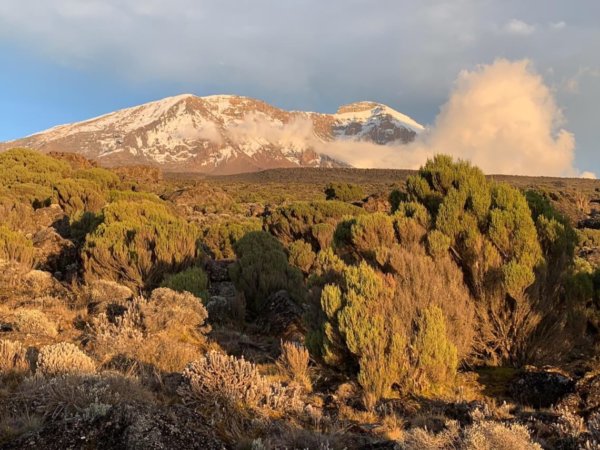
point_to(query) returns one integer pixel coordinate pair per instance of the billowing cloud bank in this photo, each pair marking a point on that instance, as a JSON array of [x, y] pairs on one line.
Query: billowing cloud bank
[[501, 117]]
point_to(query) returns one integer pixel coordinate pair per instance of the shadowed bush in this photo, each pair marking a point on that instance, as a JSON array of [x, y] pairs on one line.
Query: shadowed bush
[[138, 243], [262, 269], [192, 280], [221, 237]]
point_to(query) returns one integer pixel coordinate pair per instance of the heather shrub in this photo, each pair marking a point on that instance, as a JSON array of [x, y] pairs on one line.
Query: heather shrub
[[301, 255], [436, 355], [192, 280], [345, 192], [262, 269], [104, 178], [323, 233], [409, 328], [220, 237], [13, 357], [29, 166], [33, 321], [63, 358], [14, 246], [493, 236], [16, 215], [229, 381], [296, 221], [31, 194], [137, 244], [115, 196], [77, 196], [365, 234]]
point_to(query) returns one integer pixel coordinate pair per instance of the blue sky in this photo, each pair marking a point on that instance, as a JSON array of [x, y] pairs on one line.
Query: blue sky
[[68, 60]]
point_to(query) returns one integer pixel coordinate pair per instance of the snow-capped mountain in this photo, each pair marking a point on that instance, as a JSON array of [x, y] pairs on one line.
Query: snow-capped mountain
[[222, 134]]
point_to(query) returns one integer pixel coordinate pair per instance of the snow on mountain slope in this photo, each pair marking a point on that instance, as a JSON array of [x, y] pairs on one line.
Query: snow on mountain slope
[[221, 134]]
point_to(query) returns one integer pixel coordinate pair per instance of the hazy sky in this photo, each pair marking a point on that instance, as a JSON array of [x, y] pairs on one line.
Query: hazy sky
[[68, 60]]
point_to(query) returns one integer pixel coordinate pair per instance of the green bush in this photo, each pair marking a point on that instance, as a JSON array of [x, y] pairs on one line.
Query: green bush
[[29, 166], [301, 255], [345, 192], [15, 247], [102, 177], [437, 356], [296, 221], [131, 196], [220, 237], [262, 269], [192, 280], [364, 234], [77, 196], [137, 243]]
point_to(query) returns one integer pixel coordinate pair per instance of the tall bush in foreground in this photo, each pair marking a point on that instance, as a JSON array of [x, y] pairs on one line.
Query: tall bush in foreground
[[138, 243], [14, 246]]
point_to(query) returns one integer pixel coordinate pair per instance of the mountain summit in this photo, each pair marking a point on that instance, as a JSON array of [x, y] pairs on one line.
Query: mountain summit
[[222, 134]]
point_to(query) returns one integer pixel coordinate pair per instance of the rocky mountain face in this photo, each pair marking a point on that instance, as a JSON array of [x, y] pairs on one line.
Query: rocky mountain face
[[222, 134]]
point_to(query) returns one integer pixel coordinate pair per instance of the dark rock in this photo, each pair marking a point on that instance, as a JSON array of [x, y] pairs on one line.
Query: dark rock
[[282, 316], [540, 388], [125, 427], [218, 270]]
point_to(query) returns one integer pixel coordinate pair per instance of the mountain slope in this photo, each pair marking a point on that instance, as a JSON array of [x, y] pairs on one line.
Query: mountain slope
[[221, 134]]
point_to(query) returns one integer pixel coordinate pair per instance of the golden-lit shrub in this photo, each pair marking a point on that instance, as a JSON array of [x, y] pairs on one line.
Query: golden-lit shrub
[[301, 255], [296, 221], [29, 166], [490, 435], [76, 196], [14, 246], [104, 178], [63, 358], [345, 192], [33, 321], [138, 243]]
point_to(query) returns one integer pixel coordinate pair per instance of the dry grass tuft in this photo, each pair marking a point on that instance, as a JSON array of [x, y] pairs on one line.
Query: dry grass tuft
[[294, 364]]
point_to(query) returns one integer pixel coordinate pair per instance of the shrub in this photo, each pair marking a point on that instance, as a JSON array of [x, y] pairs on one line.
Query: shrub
[[34, 321], [229, 381], [387, 328], [166, 331], [192, 280], [13, 357], [296, 221], [86, 396], [179, 314], [493, 235], [437, 357], [104, 178], [263, 269], [301, 255], [345, 192], [16, 215], [221, 237], [137, 244], [77, 196], [115, 196], [497, 436], [294, 363], [366, 234], [29, 166], [15, 247], [63, 358], [323, 233]]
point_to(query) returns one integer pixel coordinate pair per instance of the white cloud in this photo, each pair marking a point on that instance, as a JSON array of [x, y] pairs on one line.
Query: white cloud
[[558, 25], [589, 175], [518, 28], [501, 117]]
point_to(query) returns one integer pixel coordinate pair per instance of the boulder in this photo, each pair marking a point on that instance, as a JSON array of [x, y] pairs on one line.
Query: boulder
[[282, 317], [540, 388]]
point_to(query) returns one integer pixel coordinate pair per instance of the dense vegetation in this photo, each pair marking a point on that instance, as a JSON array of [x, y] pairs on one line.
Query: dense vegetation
[[316, 315]]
